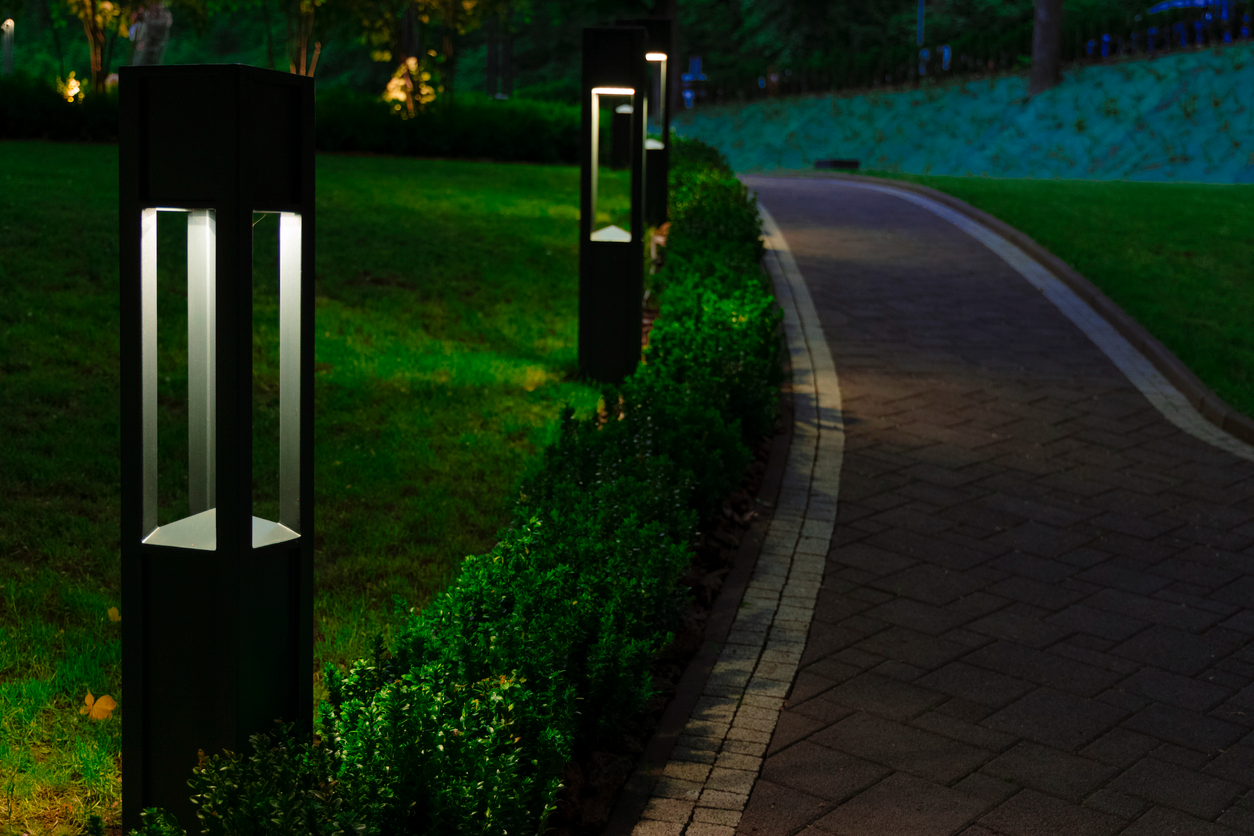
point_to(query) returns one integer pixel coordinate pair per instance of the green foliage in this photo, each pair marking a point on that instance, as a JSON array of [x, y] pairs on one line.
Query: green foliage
[[544, 644], [285, 787], [514, 130], [32, 109], [474, 127]]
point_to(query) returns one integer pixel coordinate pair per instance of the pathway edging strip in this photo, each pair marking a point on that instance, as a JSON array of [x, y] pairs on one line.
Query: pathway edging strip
[[713, 764]]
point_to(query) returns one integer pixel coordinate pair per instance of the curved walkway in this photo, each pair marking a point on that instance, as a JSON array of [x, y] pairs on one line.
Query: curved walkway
[[1035, 612]]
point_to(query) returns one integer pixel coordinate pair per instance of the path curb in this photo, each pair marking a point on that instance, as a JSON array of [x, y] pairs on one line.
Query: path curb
[[1199, 395]]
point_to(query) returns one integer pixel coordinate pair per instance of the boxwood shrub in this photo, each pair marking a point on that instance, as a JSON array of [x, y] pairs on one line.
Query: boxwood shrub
[[542, 647]]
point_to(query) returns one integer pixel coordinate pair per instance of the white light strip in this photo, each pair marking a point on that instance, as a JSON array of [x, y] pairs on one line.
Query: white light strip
[[148, 365], [289, 369], [201, 382], [613, 91], [655, 56], [170, 209]]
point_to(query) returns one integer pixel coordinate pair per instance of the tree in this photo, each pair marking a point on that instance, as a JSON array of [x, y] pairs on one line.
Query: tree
[[1046, 46], [103, 21]]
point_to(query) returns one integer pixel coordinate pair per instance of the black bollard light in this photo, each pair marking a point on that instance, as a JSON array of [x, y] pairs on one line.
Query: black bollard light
[[217, 602], [658, 45], [611, 259]]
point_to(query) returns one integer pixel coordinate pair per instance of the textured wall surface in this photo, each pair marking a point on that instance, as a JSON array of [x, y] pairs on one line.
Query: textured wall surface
[[1179, 117]]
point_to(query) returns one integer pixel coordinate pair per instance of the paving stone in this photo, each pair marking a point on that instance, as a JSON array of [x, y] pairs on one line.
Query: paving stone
[[1162, 822], [944, 723], [668, 809], [821, 772], [1168, 785], [1030, 813], [1028, 630], [1236, 763], [1043, 668], [929, 583], [976, 684], [903, 748], [1179, 651], [1116, 804], [1041, 539], [883, 696], [657, 828], [1177, 690], [1055, 718], [903, 804], [1185, 728], [911, 647], [713, 815], [1050, 771], [1097, 622]]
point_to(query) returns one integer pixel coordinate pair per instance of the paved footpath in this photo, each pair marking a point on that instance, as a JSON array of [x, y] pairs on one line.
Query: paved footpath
[[1035, 613]]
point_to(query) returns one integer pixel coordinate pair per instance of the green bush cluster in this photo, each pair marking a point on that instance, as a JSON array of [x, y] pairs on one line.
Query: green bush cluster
[[542, 647], [32, 109], [474, 127]]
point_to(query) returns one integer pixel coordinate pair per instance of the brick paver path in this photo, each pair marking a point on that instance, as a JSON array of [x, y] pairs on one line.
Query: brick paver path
[[1035, 616]]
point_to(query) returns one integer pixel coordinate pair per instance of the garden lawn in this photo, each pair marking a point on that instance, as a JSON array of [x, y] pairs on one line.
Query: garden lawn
[[445, 347], [1176, 256]]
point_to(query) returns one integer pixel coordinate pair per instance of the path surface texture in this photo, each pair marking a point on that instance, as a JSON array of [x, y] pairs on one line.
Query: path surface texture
[[1035, 613]]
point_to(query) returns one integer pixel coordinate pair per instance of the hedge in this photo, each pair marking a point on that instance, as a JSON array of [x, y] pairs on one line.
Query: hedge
[[512, 130], [542, 647]]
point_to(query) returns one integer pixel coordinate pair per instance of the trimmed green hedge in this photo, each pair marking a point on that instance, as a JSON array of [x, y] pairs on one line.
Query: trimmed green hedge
[[475, 127], [543, 646]]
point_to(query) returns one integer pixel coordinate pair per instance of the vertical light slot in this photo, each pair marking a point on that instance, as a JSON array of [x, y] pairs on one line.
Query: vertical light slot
[[595, 139], [289, 369], [148, 363], [614, 190], [201, 372]]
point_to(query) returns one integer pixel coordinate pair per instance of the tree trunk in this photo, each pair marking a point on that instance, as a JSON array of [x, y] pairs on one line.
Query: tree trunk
[[1046, 46]]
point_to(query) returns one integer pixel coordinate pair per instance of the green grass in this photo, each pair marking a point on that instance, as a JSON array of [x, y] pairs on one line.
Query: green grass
[[1176, 256], [445, 346]]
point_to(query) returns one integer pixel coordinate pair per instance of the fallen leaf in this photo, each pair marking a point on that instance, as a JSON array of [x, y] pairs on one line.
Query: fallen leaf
[[97, 709], [114, 615]]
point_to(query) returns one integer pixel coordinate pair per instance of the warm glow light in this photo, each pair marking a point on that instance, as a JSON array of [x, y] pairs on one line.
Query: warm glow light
[[613, 91], [655, 56]]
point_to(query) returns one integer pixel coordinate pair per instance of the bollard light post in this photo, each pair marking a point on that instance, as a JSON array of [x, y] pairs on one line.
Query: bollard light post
[[611, 259], [6, 47], [217, 603], [659, 38]]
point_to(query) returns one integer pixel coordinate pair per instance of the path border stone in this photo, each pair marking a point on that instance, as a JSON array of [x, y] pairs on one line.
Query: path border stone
[[710, 765]]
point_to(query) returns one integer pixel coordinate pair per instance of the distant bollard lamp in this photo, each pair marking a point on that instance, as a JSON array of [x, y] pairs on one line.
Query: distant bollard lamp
[[6, 47], [217, 583], [658, 39], [611, 258]]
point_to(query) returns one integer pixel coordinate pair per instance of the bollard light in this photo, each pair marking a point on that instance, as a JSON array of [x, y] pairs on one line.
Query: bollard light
[[658, 41], [217, 601], [6, 47], [611, 259]]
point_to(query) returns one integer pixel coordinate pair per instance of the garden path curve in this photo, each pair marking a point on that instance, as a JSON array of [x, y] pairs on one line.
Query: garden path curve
[[1035, 611]]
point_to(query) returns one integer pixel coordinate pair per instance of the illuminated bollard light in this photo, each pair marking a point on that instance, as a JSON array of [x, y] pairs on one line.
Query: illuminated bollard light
[[217, 599], [611, 259], [6, 47], [658, 39]]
